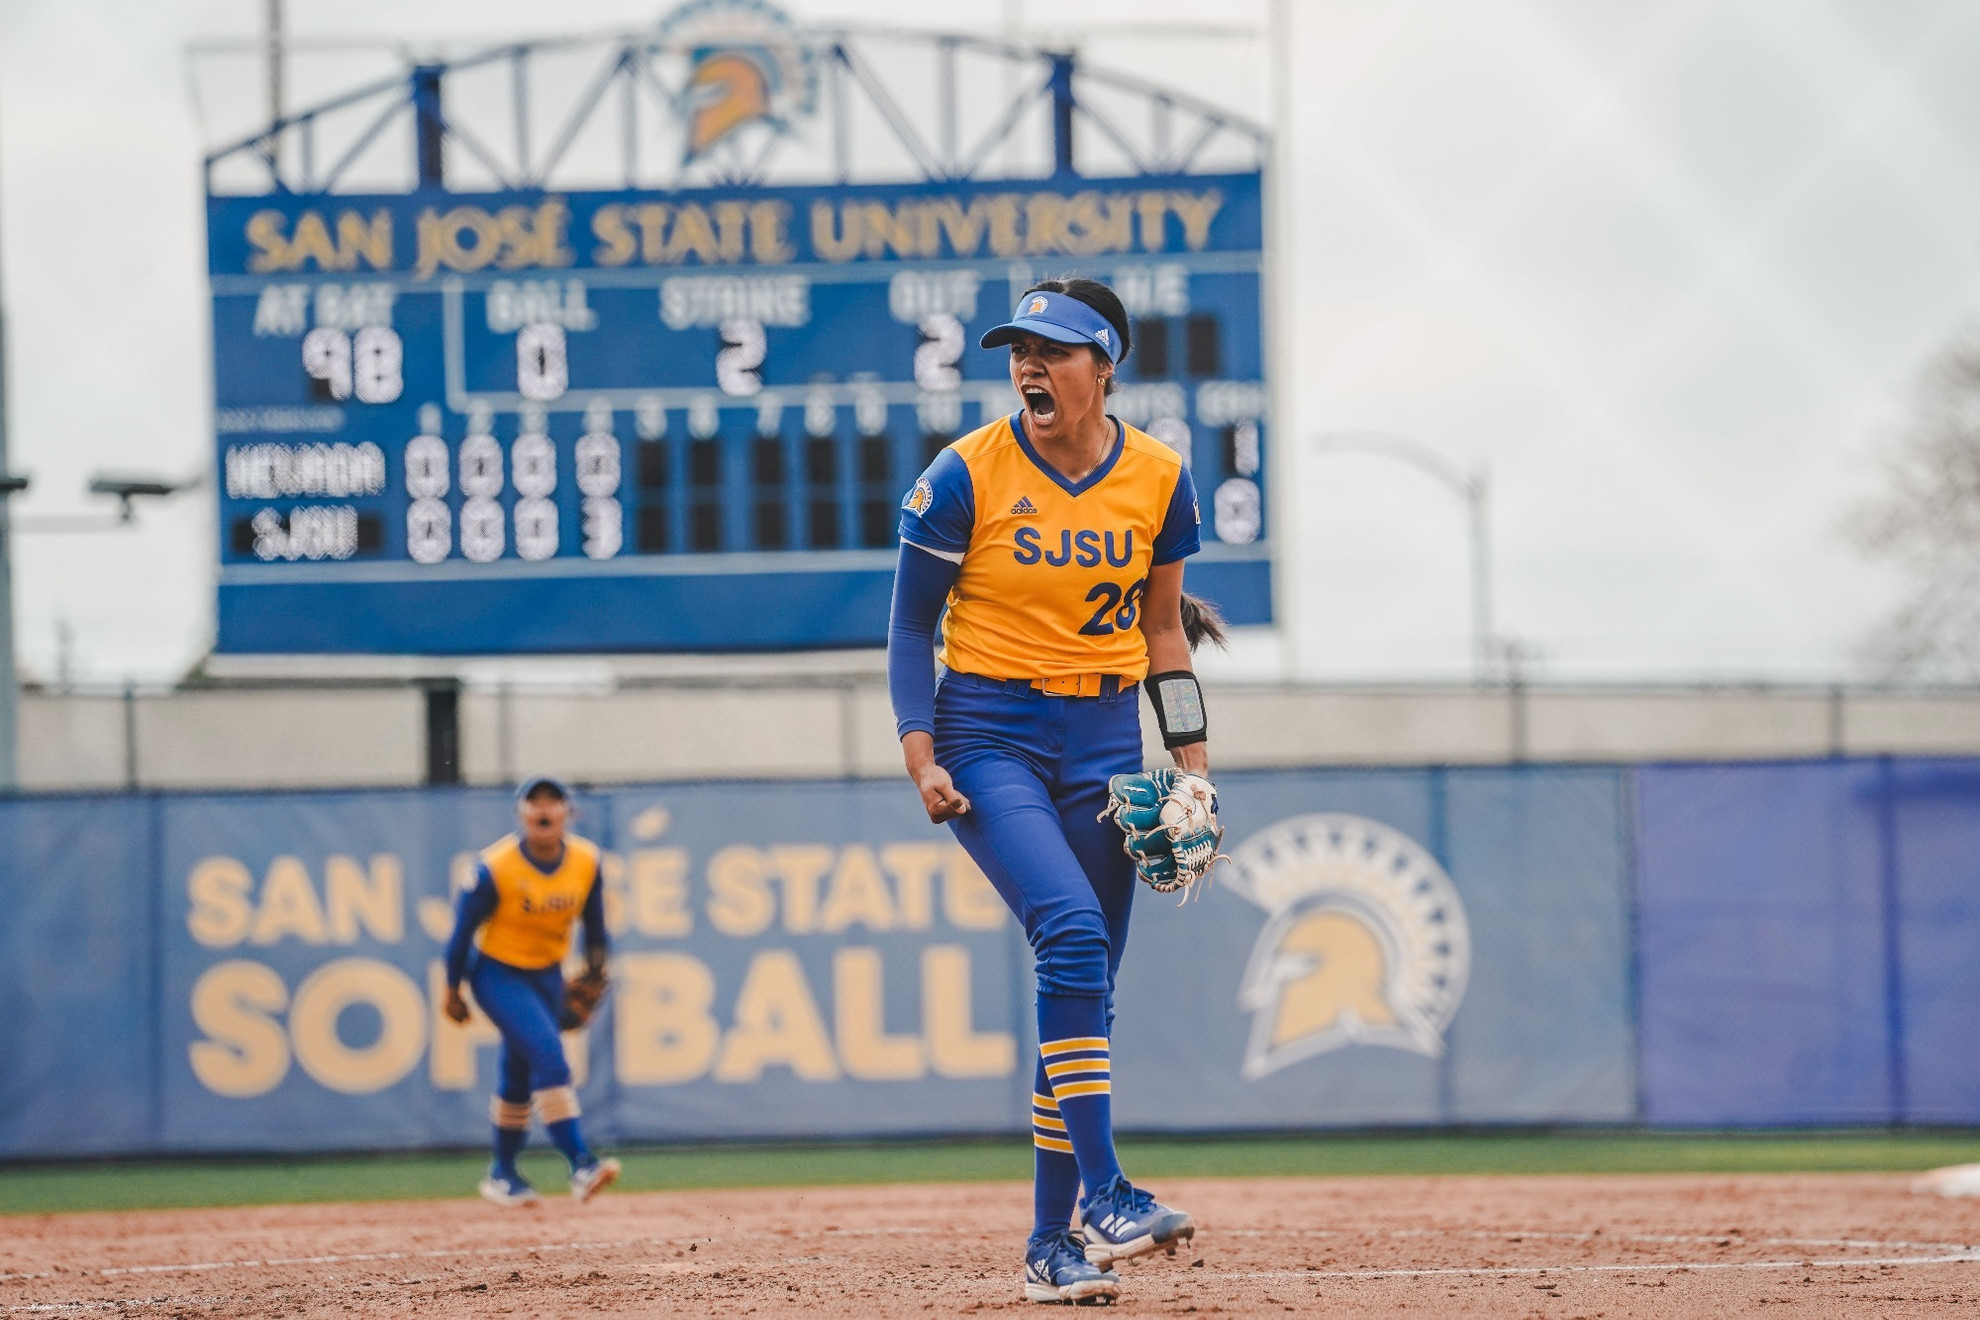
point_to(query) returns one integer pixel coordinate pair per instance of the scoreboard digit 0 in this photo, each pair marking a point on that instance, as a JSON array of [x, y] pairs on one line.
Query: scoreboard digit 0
[[481, 424]]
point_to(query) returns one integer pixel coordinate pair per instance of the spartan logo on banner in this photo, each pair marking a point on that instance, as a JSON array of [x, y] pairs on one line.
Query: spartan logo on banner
[[1365, 941], [746, 65]]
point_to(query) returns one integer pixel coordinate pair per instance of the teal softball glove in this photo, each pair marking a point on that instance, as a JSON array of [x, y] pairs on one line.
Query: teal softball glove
[[1170, 820]]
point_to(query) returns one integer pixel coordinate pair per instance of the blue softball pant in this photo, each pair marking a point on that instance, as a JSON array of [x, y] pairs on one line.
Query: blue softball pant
[[524, 1005], [1035, 770]]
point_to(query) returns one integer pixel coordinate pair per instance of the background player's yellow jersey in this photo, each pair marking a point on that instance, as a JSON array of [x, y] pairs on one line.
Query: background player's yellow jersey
[[534, 908], [1052, 571]]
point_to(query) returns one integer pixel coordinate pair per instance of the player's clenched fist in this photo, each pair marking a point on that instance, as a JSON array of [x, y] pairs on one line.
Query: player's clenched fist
[[939, 797], [456, 1007]]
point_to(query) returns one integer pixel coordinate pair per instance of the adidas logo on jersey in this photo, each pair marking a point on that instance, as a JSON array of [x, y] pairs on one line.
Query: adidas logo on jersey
[[1024, 507]]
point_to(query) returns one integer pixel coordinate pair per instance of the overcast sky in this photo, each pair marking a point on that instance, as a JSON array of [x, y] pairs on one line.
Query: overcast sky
[[1669, 270]]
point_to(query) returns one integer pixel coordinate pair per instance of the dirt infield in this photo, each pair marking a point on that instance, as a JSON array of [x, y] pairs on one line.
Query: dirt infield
[[1854, 1244]]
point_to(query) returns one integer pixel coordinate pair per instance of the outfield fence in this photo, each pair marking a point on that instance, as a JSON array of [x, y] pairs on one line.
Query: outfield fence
[[1668, 945]]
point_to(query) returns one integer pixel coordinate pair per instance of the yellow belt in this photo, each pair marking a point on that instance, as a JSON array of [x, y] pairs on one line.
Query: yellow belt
[[1077, 685]]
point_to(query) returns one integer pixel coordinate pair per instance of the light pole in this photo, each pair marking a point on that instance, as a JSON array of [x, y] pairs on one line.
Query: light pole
[[275, 61], [124, 488], [1474, 487], [1288, 576], [10, 685]]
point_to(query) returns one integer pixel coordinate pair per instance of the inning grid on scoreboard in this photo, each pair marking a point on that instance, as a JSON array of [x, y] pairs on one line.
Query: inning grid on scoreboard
[[616, 421]]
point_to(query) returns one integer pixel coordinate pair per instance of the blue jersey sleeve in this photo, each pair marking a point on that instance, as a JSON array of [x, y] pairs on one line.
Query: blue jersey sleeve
[[940, 509], [476, 905], [1180, 536], [922, 582]]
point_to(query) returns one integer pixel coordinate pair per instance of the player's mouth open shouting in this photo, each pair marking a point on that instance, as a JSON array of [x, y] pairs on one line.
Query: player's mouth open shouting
[[1047, 372]]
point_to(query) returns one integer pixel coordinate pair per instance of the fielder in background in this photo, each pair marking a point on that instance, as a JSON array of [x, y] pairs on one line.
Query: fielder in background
[[529, 889], [1055, 538]]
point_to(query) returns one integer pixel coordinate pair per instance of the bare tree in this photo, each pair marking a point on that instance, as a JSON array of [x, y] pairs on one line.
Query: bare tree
[[1927, 520]]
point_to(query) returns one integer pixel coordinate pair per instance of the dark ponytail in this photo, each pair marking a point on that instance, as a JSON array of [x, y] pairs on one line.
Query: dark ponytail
[[1102, 300], [1202, 623]]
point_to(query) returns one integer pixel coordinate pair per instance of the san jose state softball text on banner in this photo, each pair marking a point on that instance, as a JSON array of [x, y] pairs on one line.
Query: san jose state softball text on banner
[[809, 960], [761, 956]]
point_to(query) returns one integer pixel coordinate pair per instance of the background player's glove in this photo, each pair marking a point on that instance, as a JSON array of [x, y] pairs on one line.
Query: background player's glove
[[1170, 820], [582, 995]]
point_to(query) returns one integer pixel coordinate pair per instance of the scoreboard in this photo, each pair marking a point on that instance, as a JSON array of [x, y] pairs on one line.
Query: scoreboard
[[642, 421]]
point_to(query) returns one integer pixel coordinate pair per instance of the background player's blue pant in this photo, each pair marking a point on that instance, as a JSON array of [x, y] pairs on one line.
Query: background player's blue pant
[[1035, 771], [524, 1005]]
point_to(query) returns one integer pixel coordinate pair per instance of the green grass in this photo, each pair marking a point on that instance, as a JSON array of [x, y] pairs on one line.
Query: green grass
[[127, 1185]]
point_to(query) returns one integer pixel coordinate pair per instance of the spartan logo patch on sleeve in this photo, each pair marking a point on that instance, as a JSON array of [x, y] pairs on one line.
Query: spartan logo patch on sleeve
[[1365, 941], [919, 498]]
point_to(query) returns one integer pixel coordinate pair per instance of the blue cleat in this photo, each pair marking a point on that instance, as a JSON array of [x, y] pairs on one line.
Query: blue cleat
[[1120, 1222], [1055, 1271], [507, 1187], [593, 1178]]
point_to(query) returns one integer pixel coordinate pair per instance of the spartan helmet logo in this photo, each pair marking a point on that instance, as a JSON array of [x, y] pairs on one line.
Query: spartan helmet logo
[[727, 89], [746, 63], [1365, 943], [1037, 306]]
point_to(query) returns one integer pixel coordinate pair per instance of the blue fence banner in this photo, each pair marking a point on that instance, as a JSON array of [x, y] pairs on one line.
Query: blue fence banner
[[78, 987], [1806, 943], [1931, 831], [1763, 976], [1408, 947], [1678, 946]]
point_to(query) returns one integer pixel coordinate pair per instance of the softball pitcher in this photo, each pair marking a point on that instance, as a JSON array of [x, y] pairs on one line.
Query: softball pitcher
[[1055, 538], [529, 889]]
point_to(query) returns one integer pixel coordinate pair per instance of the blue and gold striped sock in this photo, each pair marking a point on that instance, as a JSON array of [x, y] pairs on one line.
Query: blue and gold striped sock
[[1080, 1073], [1048, 1130], [511, 1122], [558, 1106], [1054, 1171]]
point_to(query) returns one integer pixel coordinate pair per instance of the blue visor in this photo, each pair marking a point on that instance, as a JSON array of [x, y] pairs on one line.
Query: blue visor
[[535, 782], [1056, 316]]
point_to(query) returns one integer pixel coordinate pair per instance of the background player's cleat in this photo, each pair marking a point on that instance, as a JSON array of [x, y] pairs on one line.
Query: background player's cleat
[[1055, 1271], [507, 1187], [1120, 1222], [593, 1178]]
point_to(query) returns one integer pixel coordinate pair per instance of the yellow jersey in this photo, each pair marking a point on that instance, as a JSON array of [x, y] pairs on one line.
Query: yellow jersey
[[535, 909], [1052, 572]]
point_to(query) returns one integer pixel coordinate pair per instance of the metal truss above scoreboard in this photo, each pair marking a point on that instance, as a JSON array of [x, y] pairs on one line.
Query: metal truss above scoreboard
[[507, 405]]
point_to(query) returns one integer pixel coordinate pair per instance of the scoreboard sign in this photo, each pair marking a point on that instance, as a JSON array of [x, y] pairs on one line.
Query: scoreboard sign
[[525, 423]]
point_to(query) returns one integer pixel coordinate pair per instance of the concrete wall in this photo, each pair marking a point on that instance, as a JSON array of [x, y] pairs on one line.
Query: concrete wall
[[73, 742], [297, 736], [1655, 726], [252, 738]]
